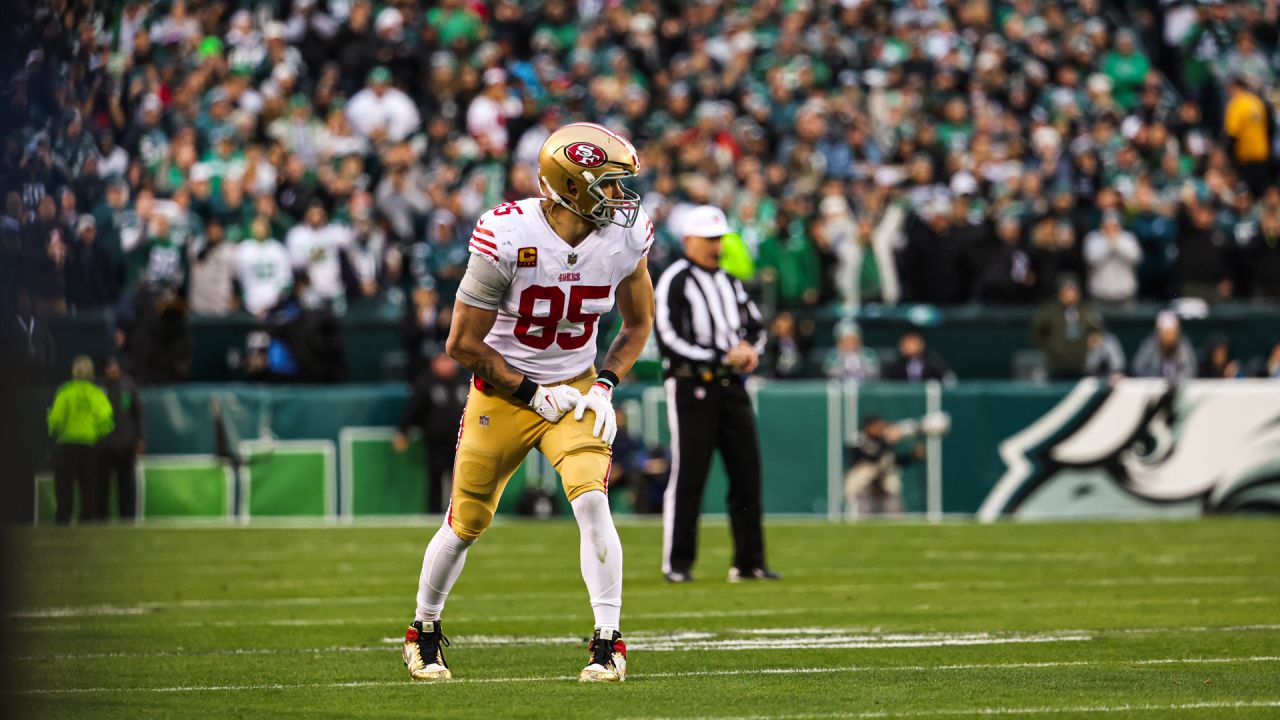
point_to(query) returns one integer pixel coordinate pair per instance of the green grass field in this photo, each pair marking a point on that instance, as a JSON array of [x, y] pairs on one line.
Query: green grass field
[[876, 620]]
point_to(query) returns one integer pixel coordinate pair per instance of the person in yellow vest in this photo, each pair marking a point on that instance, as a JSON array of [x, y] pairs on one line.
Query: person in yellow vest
[[735, 257], [80, 417], [1248, 131]]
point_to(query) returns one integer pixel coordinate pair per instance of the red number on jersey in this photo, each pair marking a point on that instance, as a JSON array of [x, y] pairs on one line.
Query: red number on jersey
[[506, 208], [555, 310], [555, 313], [577, 294]]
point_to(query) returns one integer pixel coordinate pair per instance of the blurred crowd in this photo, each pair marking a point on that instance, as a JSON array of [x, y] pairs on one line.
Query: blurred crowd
[[300, 158]]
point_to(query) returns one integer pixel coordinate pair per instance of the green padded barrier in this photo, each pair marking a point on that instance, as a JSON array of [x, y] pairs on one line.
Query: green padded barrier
[[376, 480], [287, 478], [806, 428], [196, 486], [793, 424], [795, 428], [379, 480]]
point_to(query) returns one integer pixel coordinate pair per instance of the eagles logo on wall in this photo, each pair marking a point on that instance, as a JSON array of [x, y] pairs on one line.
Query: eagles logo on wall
[[585, 154], [1144, 447]]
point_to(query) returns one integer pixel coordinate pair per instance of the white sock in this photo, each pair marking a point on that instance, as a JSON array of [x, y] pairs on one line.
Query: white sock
[[601, 556], [441, 565]]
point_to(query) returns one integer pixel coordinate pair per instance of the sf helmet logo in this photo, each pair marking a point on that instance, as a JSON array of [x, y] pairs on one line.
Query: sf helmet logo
[[585, 154]]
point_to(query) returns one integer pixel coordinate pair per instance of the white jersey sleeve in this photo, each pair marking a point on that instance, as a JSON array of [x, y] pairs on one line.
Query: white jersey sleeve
[[494, 241], [640, 238], [490, 269]]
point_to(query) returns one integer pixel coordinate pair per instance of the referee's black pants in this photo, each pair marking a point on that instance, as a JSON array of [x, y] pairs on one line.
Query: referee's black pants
[[705, 416]]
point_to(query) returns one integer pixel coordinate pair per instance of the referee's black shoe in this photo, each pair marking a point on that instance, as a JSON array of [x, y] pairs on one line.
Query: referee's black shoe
[[676, 576], [760, 573]]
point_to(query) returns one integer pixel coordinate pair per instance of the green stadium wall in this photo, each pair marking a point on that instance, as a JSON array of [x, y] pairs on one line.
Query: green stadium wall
[[1054, 449]]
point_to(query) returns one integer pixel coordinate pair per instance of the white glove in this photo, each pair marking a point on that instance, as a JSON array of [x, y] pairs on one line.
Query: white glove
[[599, 400], [553, 402]]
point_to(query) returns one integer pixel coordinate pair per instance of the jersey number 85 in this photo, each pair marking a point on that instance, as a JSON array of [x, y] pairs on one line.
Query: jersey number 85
[[555, 313]]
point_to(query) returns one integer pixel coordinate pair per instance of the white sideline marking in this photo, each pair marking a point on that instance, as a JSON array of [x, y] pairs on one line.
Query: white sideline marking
[[784, 638], [1089, 582], [122, 611], [1072, 631], [195, 653], [659, 676], [57, 613], [88, 610], [382, 620], [648, 641], [1133, 602], [1167, 558], [1229, 704], [840, 643], [151, 606]]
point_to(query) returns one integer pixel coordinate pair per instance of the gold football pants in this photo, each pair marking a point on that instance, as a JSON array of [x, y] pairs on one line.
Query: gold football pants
[[497, 433]]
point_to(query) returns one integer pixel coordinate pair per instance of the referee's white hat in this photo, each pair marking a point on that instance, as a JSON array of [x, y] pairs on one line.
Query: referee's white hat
[[706, 221]]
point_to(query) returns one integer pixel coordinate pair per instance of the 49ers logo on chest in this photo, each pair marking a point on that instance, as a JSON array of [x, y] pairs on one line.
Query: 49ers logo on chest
[[585, 154]]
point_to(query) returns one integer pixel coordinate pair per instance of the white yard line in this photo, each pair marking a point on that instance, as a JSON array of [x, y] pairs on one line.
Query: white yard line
[[649, 642], [989, 711], [1132, 602], [143, 609], [464, 617], [1072, 631], [149, 606], [825, 638], [1166, 558], [838, 643], [669, 675]]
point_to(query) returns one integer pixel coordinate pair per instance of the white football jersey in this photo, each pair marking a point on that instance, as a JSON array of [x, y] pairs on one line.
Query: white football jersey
[[316, 251], [264, 271], [549, 315]]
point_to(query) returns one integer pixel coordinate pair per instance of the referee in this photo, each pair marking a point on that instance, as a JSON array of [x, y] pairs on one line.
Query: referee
[[710, 335]]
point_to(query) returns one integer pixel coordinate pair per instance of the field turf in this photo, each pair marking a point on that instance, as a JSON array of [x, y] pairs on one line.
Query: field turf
[[1154, 620]]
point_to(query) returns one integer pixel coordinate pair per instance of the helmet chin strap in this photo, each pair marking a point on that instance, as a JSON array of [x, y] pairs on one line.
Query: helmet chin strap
[[554, 197]]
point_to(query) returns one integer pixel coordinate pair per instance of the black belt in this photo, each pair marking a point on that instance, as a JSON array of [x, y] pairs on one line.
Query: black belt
[[701, 371]]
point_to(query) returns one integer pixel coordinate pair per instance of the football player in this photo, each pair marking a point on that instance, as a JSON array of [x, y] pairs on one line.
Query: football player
[[541, 273]]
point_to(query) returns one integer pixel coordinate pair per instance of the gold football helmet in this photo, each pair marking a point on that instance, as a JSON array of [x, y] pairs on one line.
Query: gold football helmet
[[577, 160]]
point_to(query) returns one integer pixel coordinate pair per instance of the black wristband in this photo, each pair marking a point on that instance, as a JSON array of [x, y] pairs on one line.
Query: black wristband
[[526, 390], [608, 376]]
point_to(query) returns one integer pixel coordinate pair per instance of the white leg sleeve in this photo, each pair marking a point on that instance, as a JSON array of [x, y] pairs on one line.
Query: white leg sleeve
[[601, 556], [441, 565]]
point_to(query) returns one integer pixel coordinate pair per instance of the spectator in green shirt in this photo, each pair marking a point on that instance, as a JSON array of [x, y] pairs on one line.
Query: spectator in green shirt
[[80, 417], [789, 259], [1127, 68], [454, 20]]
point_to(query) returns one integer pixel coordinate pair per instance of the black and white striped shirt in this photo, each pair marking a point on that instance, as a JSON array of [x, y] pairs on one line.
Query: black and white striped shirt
[[701, 315]]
